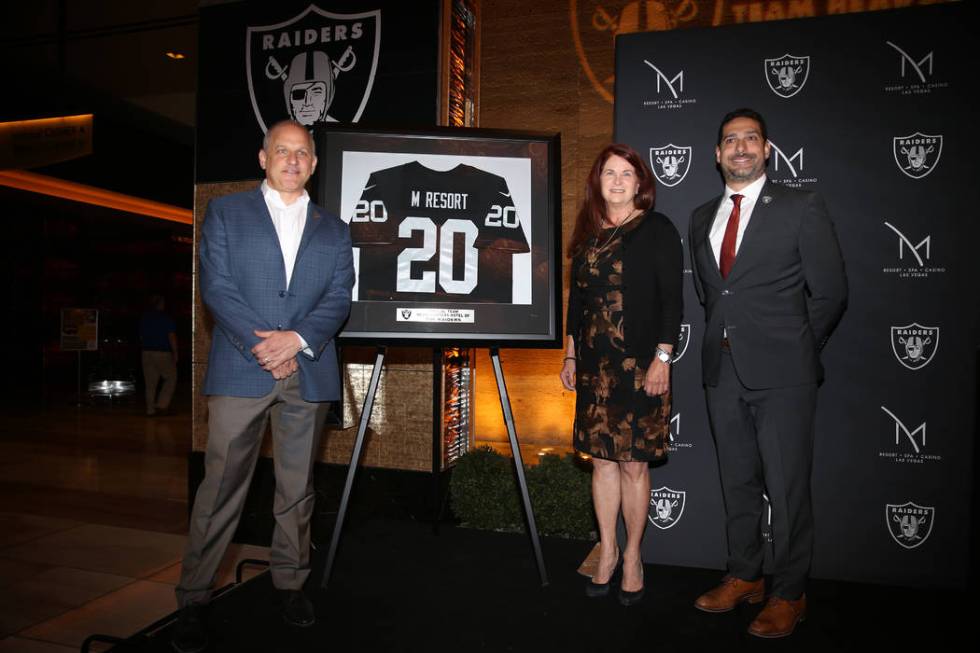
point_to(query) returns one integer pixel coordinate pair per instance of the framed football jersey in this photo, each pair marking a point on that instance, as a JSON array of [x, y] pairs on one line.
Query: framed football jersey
[[456, 233]]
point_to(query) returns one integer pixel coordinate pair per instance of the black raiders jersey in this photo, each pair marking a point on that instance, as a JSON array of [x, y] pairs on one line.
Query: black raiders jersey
[[427, 235]]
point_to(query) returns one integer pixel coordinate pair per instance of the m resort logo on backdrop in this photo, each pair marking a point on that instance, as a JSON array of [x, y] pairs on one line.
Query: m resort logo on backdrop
[[787, 75], [917, 154], [668, 86], [316, 67], [914, 72], [666, 507], [909, 444], [909, 523], [674, 441], [595, 24], [670, 163], [914, 345], [787, 168], [913, 258]]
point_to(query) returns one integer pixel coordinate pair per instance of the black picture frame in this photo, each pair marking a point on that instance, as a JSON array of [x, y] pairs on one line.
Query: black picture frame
[[408, 281]]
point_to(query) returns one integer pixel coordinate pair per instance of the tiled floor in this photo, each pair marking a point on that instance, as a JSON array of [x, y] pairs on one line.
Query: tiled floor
[[93, 505]]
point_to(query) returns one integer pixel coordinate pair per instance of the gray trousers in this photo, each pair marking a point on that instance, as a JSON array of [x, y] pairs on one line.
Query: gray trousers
[[764, 440], [157, 365], [236, 426]]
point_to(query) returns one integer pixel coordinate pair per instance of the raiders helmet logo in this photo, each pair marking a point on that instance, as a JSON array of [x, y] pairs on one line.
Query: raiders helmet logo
[[315, 67], [786, 75], [914, 345], [670, 163], [917, 154], [909, 524], [666, 507]]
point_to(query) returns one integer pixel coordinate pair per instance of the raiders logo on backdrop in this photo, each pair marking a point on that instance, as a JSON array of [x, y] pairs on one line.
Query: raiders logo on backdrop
[[670, 163], [917, 154], [909, 524], [682, 341], [786, 75], [666, 507], [315, 67], [914, 345]]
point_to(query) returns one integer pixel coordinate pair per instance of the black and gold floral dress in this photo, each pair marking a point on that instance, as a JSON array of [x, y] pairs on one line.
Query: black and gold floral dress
[[615, 418]]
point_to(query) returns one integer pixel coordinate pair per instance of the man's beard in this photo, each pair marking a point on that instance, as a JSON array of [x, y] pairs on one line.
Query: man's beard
[[743, 174]]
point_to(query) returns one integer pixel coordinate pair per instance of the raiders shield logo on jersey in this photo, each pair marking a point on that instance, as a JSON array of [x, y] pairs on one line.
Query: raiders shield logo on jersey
[[315, 67]]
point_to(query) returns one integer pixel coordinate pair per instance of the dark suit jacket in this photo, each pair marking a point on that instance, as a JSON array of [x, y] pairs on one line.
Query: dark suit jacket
[[652, 293], [783, 296], [243, 283]]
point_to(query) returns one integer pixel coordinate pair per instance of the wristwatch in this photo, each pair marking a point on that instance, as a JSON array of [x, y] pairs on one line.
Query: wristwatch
[[663, 356]]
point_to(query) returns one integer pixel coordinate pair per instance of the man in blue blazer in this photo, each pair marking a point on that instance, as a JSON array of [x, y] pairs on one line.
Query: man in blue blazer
[[276, 273], [769, 271]]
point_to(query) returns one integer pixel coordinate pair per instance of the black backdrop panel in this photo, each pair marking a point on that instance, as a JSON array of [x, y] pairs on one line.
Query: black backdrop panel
[[359, 62], [870, 110]]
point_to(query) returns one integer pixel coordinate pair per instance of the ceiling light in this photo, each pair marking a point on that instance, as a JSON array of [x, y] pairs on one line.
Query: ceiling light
[[175, 55]]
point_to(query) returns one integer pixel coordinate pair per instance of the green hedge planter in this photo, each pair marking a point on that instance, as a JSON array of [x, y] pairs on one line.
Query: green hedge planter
[[484, 494]]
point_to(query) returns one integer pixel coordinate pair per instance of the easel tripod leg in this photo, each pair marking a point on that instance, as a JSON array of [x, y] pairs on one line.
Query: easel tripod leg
[[532, 527], [355, 457]]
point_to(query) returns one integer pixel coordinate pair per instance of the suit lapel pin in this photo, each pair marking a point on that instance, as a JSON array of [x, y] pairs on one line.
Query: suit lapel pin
[[766, 199]]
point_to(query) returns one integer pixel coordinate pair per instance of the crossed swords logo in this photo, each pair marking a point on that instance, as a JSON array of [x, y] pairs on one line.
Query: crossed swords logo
[[274, 70]]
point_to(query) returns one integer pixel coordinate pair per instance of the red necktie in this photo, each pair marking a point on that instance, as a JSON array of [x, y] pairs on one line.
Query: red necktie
[[731, 236]]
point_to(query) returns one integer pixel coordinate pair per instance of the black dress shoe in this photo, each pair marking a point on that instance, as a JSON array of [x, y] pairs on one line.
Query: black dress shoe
[[596, 590], [190, 635], [297, 610], [626, 599]]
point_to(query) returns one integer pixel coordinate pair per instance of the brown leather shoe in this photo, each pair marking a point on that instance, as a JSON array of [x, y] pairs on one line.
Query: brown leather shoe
[[730, 593], [779, 617]]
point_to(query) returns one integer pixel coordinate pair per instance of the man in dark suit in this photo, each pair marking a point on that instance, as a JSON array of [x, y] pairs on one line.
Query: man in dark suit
[[276, 272], [768, 269]]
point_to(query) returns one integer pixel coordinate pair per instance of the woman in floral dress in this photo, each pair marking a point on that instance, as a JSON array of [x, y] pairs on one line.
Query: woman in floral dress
[[624, 312]]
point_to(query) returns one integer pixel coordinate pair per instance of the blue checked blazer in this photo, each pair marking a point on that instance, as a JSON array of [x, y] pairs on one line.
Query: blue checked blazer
[[243, 283]]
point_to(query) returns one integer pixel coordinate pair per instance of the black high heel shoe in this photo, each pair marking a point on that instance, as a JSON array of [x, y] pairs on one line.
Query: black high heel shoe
[[626, 599], [597, 590]]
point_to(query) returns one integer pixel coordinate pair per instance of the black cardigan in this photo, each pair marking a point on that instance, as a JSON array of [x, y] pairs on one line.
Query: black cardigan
[[653, 301]]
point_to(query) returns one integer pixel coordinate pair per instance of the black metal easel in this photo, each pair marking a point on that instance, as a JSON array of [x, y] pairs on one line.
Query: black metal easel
[[359, 443]]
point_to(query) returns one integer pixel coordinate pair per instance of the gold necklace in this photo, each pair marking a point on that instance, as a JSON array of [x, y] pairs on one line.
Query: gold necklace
[[608, 240]]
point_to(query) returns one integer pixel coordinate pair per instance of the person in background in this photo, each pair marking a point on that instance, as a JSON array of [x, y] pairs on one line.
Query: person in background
[[158, 341], [624, 314]]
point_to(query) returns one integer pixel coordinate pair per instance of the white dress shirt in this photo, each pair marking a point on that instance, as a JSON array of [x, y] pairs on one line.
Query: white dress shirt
[[750, 195], [289, 221]]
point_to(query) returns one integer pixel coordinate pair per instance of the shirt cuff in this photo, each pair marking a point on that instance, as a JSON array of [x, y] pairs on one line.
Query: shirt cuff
[[305, 348]]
